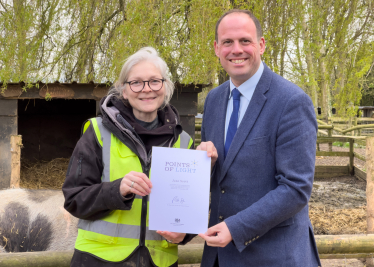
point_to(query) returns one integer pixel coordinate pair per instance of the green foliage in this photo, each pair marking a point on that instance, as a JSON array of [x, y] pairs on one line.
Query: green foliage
[[346, 145], [326, 47], [84, 40]]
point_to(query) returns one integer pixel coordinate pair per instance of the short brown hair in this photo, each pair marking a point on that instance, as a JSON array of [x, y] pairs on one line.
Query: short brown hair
[[244, 11]]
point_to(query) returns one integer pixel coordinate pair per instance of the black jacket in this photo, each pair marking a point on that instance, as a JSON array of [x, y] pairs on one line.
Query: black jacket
[[86, 197]]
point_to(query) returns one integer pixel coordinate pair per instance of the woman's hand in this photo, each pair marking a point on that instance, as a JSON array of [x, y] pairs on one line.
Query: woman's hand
[[136, 183], [172, 237], [210, 149]]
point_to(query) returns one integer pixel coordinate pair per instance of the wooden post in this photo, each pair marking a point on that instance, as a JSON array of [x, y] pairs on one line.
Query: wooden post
[[370, 190], [330, 135], [15, 148], [8, 127], [97, 107], [351, 156]]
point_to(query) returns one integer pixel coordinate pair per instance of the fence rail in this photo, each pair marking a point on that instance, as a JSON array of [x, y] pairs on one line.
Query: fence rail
[[329, 247], [329, 138]]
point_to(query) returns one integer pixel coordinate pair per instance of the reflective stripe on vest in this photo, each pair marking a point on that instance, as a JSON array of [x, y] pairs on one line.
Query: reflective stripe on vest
[[116, 236], [120, 230]]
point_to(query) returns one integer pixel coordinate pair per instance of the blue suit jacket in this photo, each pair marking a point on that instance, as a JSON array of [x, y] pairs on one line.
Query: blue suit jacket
[[261, 190]]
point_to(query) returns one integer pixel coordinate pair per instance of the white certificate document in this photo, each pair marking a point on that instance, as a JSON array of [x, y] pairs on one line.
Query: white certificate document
[[179, 201]]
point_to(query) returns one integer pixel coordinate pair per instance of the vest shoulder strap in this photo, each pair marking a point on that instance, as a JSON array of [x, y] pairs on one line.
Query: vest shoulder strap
[[94, 122], [185, 140]]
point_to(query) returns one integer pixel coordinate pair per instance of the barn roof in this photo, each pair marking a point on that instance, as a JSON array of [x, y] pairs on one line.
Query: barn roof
[[72, 90]]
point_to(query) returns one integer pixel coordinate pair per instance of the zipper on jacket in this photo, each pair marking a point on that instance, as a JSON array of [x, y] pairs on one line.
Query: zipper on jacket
[[143, 220]]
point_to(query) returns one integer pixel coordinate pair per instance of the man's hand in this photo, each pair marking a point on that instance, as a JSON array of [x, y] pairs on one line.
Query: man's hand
[[172, 237], [217, 236], [210, 149]]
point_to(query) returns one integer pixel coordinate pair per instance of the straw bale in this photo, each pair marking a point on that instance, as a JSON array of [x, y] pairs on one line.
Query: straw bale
[[44, 174], [329, 221]]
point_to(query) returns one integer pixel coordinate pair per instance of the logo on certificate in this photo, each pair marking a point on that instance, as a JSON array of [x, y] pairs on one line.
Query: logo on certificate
[[177, 222]]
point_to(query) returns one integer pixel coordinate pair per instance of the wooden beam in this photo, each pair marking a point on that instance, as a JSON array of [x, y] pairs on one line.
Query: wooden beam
[[349, 244], [329, 127], [370, 191], [15, 148], [8, 127], [329, 247], [351, 157], [370, 183], [76, 90], [330, 171], [361, 157], [332, 139], [36, 259], [360, 174], [332, 154]]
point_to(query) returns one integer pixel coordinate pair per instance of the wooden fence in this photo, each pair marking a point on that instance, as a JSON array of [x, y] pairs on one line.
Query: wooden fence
[[355, 126], [329, 247], [326, 135], [334, 171]]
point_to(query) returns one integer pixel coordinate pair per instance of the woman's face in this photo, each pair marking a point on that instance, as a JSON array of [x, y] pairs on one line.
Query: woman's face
[[145, 103]]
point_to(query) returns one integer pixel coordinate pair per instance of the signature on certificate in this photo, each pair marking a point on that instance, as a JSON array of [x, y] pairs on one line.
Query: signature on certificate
[[176, 199]]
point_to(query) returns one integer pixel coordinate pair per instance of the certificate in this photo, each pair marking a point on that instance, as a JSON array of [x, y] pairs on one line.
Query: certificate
[[179, 201]]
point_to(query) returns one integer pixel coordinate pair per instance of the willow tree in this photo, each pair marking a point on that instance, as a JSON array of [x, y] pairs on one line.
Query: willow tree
[[87, 40], [335, 37], [323, 46]]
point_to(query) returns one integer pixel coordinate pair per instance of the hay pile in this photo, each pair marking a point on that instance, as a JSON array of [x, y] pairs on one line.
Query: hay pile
[[328, 221], [44, 174]]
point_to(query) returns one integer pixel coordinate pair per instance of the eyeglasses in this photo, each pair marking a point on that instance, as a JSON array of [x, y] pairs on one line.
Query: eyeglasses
[[138, 85]]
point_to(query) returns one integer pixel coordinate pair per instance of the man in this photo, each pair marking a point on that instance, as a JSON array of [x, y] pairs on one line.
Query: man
[[263, 128]]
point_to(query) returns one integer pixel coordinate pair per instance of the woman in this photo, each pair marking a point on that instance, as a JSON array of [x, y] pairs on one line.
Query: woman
[[107, 184]]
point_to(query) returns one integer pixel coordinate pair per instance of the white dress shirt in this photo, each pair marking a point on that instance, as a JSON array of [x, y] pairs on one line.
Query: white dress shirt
[[246, 89]]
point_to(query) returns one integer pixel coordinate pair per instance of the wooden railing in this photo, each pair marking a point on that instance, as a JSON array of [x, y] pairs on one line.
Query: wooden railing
[[329, 247], [353, 126], [331, 171]]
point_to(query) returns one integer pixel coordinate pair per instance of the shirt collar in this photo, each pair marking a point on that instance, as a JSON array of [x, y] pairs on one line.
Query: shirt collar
[[247, 88]]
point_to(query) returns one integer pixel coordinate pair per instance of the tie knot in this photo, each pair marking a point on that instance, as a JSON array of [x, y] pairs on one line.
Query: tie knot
[[236, 94]]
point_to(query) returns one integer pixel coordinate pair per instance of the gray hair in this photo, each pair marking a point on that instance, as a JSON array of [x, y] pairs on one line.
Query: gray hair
[[144, 54]]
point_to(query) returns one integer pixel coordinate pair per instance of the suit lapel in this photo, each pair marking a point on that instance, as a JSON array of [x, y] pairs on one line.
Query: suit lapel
[[253, 111], [219, 137]]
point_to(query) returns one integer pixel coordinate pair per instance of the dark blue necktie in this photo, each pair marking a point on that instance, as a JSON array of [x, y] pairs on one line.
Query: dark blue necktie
[[233, 124]]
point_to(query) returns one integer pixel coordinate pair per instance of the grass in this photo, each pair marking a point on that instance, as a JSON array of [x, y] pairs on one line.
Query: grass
[[346, 145]]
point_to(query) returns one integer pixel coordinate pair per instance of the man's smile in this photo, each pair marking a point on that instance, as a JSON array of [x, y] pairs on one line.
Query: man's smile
[[237, 61]]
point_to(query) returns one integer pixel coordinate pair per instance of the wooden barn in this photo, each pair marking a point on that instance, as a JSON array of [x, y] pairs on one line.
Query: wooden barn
[[367, 111], [49, 118]]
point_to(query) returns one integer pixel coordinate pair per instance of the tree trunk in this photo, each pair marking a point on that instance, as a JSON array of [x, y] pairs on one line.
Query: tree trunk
[[309, 62]]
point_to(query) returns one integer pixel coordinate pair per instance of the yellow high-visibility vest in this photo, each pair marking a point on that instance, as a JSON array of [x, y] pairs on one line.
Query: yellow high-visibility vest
[[115, 236]]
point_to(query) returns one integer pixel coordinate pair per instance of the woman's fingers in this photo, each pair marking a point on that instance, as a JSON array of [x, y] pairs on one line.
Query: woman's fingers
[[172, 237], [137, 183], [142, 179]]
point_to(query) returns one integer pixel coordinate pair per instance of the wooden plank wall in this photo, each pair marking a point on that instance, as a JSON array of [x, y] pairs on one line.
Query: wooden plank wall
[[8, 127]]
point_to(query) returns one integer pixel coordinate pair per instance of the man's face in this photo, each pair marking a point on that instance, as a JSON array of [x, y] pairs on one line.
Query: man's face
[[238, 48]]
